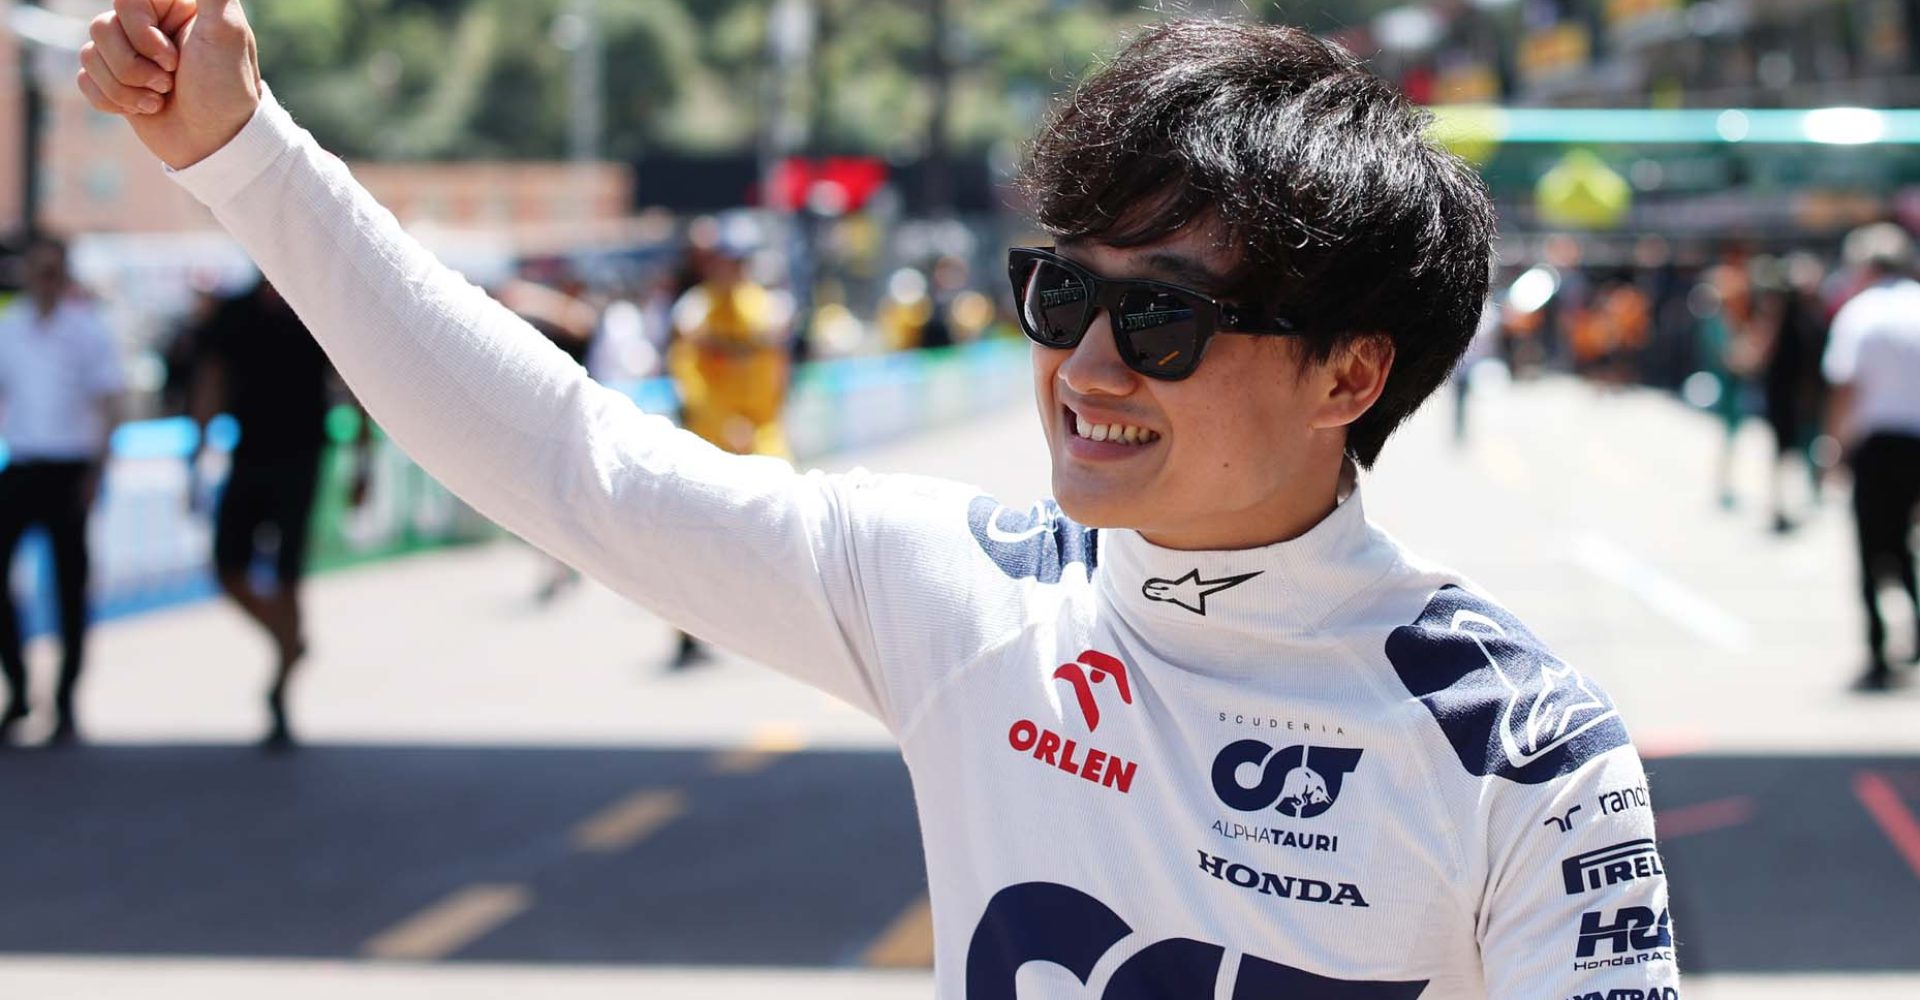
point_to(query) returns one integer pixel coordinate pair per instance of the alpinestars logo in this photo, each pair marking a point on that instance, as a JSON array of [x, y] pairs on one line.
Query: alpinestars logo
[[1094, 667], [1508, 706], [1652, 993], [1297, 781], [1540, 714], [1190, 591]]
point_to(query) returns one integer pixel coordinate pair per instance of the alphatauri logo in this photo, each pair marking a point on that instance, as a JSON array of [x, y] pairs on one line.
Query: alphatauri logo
[[1299, 781], [1190, 591]]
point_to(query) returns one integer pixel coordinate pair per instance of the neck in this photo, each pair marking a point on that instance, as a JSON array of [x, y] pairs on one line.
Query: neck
[[45, 302], [1283, 516]]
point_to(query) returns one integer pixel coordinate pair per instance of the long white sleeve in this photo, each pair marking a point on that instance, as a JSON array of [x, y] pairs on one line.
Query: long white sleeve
[[741, 551]]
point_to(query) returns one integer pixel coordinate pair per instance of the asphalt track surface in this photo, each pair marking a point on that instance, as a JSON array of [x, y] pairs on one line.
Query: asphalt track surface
[[489, 787], [1776, 865]]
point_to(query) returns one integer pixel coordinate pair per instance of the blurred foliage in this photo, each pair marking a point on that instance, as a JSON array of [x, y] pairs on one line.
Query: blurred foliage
[[448, 79]]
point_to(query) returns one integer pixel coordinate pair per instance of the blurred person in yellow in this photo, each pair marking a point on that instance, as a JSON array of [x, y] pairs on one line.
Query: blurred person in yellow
[[906, 311], [729, 358], [730, 355]]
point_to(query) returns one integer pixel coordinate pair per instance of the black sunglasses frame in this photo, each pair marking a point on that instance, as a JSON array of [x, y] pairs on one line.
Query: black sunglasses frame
[[1210, 315]]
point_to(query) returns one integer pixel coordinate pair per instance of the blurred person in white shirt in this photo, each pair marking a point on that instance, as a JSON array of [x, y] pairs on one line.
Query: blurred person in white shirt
[[60, 389], [1873, 361]]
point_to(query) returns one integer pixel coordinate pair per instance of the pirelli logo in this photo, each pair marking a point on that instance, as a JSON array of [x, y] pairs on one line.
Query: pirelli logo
[[1622, 862]]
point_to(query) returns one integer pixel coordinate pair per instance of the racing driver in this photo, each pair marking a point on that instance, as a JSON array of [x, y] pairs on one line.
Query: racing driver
[[1197, 727]]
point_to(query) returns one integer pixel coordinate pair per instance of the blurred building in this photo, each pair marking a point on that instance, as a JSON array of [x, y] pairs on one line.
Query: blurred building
[[12, 117], [1749, 55], [96, 178], [1649, 53]]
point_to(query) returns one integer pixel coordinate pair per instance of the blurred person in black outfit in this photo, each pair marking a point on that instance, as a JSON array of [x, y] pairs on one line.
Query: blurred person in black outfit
[[257, 362], [60, 390], [1792, 326], [1873, 361]]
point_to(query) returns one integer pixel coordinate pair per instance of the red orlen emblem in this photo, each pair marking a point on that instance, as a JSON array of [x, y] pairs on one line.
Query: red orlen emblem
[[1092, 668]]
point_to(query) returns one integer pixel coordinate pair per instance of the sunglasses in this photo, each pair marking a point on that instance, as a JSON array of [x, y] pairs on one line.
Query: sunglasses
[[1160, 329]]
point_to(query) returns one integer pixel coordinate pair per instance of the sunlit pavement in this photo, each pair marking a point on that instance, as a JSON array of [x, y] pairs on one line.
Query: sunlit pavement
[[504, 799]]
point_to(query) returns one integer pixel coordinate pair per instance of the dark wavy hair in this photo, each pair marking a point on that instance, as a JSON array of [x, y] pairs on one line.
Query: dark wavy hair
[[1344, 214]]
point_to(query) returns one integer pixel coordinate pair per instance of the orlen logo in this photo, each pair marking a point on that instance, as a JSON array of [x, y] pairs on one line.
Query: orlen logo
[[1094, 667], [1297, 781], [1093, 671]]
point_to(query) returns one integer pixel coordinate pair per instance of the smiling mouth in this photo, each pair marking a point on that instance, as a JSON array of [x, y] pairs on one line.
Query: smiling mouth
[[1126, 434]]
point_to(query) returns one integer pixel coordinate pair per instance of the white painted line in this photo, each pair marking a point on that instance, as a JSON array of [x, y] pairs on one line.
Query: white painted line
[[1661, 594], [451, 924]]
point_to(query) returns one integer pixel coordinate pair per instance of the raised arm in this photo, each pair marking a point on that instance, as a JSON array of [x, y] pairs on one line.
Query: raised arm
[[741, 551]]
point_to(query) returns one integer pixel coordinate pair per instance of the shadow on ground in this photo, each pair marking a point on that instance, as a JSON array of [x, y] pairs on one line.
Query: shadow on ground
[[1776, 864]]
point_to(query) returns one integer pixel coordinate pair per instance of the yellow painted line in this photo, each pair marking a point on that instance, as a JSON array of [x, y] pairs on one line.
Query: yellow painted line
[[628, 821], [768, 744], [907, 943], [451, 924]]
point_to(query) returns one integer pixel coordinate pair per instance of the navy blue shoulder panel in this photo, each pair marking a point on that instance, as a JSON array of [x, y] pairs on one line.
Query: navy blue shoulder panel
[[1508, 706], [1038, 543]]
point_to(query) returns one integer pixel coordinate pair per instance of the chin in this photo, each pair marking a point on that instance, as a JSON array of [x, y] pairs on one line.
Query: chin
[[1093, 507]]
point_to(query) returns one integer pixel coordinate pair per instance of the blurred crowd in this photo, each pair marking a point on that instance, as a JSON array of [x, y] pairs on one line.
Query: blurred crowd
[[1822, 342], [711, 322]]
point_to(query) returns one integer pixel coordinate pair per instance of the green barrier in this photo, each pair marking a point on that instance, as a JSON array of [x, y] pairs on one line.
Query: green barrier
[[835, 406]]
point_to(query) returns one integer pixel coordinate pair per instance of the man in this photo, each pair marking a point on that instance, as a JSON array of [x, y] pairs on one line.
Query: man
[[1197, 729], [60, 389], [257, 362], [729, 353], [567, 320], [1873, 362], [729, 359]]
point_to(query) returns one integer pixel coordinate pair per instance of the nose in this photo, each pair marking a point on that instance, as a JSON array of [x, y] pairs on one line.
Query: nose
[[1094, 366]]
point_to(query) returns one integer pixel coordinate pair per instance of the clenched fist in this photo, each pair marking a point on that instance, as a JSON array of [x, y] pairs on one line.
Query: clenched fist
[[183, 73]]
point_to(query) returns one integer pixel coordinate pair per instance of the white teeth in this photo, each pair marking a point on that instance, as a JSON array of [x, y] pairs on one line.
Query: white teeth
[[1120, 433]]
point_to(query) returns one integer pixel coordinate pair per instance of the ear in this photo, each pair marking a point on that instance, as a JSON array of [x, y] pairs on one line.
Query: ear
[[1354, 377]]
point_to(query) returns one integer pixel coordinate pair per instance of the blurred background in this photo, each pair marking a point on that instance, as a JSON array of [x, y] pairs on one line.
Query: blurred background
[[783, 222]]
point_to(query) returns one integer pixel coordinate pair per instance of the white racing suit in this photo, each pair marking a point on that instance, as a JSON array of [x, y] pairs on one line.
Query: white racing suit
[[1320, 770]]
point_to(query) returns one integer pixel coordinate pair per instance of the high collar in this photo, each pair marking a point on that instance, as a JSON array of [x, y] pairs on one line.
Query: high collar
[[1287, 587]]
